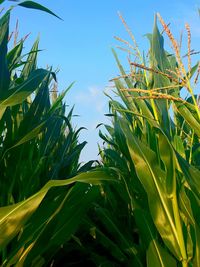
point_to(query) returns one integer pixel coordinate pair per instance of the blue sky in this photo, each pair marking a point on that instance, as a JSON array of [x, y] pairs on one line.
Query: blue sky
[[81, 46]]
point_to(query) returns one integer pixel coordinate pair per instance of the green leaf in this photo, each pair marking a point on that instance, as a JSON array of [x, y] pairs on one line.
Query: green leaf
[[106, 242], [168, 158], [191, 174], [132, 104], [153, 180], [125, 243], [185, 206], [41, 104], [19, 93], [33, 133], [196, 260], [178, 145], [160, 62], [33, 5], [158, 55], [4, 72], [14, 56], [14, 217], [57, 225], [189, 117], [59, 99], [31, 61], [158, 256]]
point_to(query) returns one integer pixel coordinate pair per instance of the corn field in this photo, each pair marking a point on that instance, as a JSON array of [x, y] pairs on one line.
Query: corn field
[[136, 206]]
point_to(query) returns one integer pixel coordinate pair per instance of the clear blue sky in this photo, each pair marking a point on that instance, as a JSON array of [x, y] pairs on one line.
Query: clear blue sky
[[81, 46]]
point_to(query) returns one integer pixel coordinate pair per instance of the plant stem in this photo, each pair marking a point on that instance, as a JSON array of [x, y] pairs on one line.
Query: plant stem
[[184, 263]]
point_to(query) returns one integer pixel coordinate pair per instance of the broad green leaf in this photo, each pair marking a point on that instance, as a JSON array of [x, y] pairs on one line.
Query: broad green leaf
[[178, 145], [33, 5], [147, 229], [185, 206], [168, 158], [191, 174], [14, 217], [18, 94], [189, 242], [188, 116], [153, 179], [158, 256], [59, 224], [33, 133]]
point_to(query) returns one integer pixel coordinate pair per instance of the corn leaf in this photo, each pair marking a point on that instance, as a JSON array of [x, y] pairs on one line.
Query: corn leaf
[[58, 223], [4, 72], [158, 256], [153, 179], [14, 217], [18, 94], [33, 5]]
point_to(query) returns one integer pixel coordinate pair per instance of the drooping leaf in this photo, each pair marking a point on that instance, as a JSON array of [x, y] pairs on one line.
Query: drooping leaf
[[58, 223], [191, 174], [34, 5], [189, 117], [18, 94], [14, 217]]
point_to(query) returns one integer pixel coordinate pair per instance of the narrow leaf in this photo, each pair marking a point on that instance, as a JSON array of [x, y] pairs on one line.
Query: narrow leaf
[[33, 5], [4, 72]]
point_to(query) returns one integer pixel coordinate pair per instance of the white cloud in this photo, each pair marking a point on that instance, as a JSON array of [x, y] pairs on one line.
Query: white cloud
[[92, 96], [94, 91]]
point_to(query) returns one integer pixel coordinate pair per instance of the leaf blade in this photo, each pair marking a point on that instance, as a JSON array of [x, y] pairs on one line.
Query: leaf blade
[[33, 5]]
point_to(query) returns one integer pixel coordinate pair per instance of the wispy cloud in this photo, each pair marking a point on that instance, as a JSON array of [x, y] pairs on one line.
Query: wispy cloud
[[92, 97]]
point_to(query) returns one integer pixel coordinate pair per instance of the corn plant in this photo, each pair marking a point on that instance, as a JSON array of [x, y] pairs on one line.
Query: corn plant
[[152, 217], [41, 206]]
